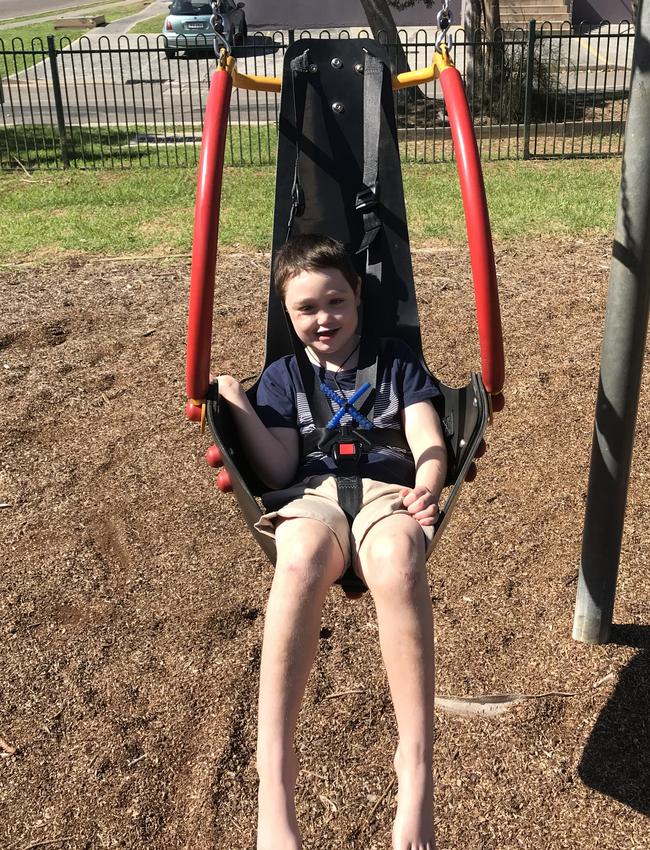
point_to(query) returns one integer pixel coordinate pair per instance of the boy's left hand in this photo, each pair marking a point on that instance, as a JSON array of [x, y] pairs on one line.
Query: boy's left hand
[[421, 504]]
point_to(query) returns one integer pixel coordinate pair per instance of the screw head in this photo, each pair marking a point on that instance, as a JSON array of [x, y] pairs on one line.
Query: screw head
[[338, 107], [358, 68], [313, 69], [337, 63]]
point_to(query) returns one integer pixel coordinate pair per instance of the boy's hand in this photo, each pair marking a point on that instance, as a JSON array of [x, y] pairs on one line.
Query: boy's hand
[[421, 504], [229, 387]]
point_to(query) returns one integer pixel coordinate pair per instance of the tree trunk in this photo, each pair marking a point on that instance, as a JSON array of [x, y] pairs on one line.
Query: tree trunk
[[494, 38], [472, 27], [492, 18], [380, 20]]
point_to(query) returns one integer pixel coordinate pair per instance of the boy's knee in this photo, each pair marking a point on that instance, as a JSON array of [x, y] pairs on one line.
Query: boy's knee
[[308, 552], [393, 561]]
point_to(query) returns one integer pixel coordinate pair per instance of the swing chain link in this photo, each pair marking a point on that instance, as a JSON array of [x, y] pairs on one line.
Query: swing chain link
[[444, 19], [220, 43]]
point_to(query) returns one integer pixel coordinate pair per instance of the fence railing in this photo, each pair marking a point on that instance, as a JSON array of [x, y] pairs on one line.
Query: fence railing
[[100, 101]]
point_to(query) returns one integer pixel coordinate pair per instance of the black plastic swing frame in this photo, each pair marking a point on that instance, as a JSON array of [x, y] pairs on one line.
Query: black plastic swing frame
[[331, 169]]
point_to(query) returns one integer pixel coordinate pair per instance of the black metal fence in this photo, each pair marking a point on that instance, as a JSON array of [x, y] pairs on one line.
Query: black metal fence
[[540, 91]]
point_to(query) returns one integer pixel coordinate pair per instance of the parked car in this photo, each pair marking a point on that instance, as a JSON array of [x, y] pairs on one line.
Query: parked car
[[188, 25]]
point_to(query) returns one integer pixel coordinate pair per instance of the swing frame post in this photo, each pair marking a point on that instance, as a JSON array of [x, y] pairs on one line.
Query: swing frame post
[[479, 235], [623, 347], [204, 243]]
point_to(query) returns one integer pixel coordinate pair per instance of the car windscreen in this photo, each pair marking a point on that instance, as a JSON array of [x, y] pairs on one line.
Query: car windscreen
[[190, 7]]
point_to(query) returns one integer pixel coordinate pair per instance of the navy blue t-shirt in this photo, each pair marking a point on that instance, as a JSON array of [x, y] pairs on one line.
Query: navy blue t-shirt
[[281, 402]]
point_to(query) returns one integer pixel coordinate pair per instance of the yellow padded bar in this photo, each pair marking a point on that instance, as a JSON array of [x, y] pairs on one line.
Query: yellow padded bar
[[400, 81], [419, 77], [255, 83]]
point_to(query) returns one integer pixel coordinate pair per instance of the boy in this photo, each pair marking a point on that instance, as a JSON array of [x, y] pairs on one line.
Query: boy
[[387, 544]]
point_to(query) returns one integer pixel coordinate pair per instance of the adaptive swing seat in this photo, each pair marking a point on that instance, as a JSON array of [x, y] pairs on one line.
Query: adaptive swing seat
[[338, 173]]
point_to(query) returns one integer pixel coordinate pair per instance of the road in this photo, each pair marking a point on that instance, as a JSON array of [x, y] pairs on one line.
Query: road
[[127, 80], [22, 8]]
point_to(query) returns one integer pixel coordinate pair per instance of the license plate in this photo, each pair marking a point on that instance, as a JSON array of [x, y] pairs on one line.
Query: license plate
[[197, 25]]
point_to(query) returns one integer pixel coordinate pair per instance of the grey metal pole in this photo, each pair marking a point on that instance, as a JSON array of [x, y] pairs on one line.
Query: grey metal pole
[[626, 324]]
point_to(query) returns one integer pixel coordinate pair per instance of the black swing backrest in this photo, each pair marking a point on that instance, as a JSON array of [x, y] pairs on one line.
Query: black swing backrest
[[331, 169]]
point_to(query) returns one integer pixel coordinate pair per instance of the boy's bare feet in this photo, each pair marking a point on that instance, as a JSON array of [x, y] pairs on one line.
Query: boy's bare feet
[[413, 826], [277, 825]]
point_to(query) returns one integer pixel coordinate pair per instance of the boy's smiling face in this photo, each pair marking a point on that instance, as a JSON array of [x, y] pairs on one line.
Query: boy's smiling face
[[322, 307]]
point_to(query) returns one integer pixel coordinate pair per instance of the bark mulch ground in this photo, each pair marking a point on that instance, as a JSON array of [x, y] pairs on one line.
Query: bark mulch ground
[[132, 596]]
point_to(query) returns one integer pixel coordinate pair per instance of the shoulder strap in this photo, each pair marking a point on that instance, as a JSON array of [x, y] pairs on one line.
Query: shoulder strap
[[367, 372], [321, 413], [367, 198], [299, 72]]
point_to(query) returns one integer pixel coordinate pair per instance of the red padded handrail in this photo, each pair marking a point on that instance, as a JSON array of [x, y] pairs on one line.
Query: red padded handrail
[[206, 231], [478, 230]]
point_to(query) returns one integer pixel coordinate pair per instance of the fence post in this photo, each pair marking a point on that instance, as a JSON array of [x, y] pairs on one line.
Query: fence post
[[292, 37], [58, 101], [530, 70]]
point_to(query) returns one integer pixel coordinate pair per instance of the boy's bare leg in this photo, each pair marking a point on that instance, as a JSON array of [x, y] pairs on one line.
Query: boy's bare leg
[[309, 561], [393, 566]]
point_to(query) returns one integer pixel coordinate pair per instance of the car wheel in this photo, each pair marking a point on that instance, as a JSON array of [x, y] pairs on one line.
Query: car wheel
[[170, 54]]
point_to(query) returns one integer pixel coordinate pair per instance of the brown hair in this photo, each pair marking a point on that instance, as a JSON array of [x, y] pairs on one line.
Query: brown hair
[[311, 252]]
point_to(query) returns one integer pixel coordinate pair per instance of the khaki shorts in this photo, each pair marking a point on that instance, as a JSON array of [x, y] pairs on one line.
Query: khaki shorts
[[316, 498]]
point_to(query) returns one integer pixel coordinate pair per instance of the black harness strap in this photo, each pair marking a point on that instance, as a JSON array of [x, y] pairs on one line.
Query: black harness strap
[[319, 407], [387, 438], [299, 74], [349, 486], [348, 481], [367, 370], [328, 440], [367, 198]]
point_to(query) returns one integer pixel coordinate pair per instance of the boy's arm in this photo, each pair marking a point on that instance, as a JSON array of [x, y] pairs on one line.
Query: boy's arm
[[272, 452], [425, 438]]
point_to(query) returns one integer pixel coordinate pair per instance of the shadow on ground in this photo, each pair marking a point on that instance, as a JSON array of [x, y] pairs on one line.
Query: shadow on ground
[[616, 759]]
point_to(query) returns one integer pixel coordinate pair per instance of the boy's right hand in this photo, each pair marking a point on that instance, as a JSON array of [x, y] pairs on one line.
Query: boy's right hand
[[273, 453], [229, 387]]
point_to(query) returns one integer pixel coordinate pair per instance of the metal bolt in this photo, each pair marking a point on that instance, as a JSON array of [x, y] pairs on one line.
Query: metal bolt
[[313, 69], [462, 444], [338, 107], [358, 68], [337, 63]]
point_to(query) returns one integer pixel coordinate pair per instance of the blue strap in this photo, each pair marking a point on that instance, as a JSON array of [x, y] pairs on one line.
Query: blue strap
[[346, 406]]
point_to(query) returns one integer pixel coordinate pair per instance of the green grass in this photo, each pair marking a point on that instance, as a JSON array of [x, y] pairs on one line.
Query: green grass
[[524, 198], [150, 25], [128, 146], [32, 38], [67, 10], [144, 211], [151, 211]]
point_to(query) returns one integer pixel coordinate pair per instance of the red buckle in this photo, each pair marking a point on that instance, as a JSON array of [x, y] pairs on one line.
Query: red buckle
[[347, 449]]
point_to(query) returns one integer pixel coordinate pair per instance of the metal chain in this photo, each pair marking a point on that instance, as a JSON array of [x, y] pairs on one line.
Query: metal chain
[[220, 42], [444, 19]]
